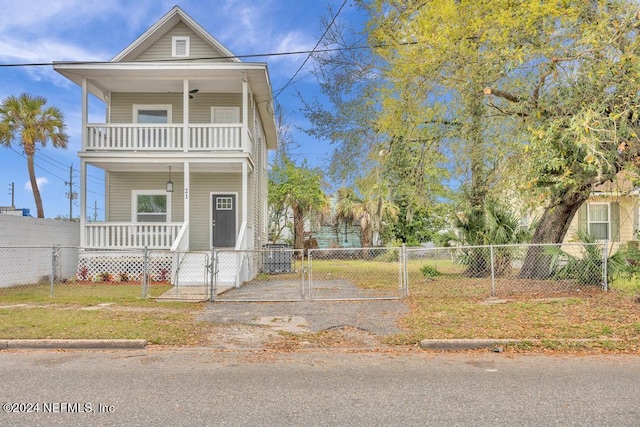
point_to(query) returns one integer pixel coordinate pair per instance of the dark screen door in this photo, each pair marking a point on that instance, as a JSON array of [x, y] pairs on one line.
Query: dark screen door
[[224, 220]]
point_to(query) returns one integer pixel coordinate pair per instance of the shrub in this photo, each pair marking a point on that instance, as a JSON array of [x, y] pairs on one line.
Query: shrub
[[429, 271]]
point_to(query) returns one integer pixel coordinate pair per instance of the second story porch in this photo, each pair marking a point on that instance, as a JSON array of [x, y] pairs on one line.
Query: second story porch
[[174, 137], [173, 107]]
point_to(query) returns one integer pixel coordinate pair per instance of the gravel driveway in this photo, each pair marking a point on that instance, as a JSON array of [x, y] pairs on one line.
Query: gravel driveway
[[260, 324]]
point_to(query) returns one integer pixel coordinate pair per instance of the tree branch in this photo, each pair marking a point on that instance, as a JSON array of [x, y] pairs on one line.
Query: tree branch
[[506, 95]]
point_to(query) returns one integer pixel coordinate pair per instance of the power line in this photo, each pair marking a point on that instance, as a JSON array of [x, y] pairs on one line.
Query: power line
[[312, 50], [207, 58], [48, 171]]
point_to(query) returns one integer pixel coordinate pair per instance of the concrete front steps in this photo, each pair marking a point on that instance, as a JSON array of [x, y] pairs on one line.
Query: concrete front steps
[[192, 281]]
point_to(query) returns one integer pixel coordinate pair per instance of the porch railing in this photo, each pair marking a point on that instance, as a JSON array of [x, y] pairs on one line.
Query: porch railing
[[165, 137], [131, 235]]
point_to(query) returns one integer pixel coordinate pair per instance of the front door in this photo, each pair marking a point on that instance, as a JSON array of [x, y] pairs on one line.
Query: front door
[[223, 222]]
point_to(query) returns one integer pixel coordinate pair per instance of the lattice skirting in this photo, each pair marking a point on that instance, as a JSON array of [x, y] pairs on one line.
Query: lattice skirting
[[123, 266]]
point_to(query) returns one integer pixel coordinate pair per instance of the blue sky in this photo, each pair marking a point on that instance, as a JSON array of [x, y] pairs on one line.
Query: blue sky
[[96, 30]]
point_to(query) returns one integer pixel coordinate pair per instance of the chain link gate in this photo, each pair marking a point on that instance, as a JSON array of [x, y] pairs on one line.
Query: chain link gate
[[270, 274]]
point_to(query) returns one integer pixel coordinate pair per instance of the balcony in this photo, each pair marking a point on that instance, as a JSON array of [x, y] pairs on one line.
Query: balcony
[[167, 137]]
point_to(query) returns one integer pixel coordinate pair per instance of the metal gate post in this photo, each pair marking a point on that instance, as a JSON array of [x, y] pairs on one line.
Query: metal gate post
[[309, 272], [493, 273], [605, 273], [213, 277], [54, 255], [303, 270], [405, 270], [145, 263]]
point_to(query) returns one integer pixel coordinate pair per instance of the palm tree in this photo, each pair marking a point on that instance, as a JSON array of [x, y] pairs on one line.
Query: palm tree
[[348, 208], [495, 225], [30, 121]]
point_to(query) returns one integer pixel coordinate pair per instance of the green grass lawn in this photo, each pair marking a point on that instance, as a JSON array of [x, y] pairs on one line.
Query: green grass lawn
[[447, 306], [97, 311]]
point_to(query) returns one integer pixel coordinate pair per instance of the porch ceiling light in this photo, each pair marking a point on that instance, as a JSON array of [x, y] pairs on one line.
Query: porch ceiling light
[[169, 183]]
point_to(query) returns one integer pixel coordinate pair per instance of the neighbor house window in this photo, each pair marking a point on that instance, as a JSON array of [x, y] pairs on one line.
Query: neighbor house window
[[598, 215], [152, 113], [151, 206], [600, 220], [180, 47]]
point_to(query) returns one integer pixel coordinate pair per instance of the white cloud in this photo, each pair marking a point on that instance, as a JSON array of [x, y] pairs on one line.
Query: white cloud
[[41, 181]]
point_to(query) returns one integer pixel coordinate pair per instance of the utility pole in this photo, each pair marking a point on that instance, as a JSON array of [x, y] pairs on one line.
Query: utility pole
[[13, 193], [71, 195], [95, 211]]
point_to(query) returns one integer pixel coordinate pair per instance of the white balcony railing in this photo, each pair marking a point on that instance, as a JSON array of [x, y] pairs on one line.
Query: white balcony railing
[[165, 137], [131, 235], [215, 137], [129, 137]]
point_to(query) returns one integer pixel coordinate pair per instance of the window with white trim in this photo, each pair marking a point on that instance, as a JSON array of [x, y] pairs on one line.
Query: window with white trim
[[224, 203], [152, 113], [601, 220], [180, 46], [150, 206], [598, 220], [225, 114]]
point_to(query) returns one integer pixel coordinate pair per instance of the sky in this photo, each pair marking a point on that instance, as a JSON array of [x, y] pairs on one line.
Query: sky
[[44, 31]]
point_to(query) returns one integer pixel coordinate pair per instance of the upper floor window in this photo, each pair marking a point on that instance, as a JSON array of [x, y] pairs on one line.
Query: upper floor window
[[180, 47], [225, 115], [152, 113]]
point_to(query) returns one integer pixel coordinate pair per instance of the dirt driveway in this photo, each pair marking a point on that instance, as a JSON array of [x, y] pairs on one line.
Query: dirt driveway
[[303, 324]]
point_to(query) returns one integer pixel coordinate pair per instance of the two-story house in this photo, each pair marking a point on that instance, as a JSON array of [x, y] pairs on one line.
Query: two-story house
[[184, 143]]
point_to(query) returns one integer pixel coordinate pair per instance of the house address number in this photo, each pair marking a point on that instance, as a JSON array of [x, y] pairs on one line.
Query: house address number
[[186, 194]]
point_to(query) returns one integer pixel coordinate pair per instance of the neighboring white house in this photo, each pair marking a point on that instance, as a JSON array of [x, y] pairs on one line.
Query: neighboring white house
[[184, 143]]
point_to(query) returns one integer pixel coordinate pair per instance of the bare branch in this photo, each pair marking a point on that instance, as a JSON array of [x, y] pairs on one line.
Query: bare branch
[[506, 95]]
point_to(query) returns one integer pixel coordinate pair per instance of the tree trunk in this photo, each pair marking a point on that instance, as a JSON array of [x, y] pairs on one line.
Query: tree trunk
[[34, 186], [298, 227], [552, 228]]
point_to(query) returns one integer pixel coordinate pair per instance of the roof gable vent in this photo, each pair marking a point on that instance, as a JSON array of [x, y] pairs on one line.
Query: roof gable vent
[[180, 47]]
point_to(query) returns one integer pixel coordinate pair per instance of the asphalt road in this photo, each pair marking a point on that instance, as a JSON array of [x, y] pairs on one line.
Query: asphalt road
[[203, 387]]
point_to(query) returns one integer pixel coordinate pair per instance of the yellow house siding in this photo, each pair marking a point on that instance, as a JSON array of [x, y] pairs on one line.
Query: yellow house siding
[[202, 186], [121, 185]]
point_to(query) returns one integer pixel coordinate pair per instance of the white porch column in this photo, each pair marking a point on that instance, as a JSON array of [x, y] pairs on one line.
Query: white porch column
[[245, 116], [85, 114], [245, 196], [83, 165], [186, 141], [83, 202], [186, 180]]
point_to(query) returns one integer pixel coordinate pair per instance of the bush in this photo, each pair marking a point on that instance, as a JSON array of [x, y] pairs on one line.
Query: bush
[[429, 271]]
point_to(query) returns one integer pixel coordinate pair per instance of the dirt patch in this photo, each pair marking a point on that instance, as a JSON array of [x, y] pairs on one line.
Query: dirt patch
[[303, 324]]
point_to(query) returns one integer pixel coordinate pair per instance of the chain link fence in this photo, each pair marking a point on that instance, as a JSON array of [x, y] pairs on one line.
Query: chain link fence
[[270, 274], [283, 274], [507, 270], [356, 273]]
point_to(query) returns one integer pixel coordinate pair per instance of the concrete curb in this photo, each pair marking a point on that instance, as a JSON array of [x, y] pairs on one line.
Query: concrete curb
[[122, 344], [464, 344], [473, 344]]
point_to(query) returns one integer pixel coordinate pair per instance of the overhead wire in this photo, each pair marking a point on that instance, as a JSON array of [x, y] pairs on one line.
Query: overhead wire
[[286, 85]]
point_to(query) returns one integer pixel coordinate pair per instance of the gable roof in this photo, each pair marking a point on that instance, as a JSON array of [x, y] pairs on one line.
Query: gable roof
[[161, 27]]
